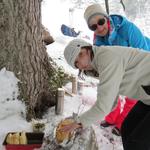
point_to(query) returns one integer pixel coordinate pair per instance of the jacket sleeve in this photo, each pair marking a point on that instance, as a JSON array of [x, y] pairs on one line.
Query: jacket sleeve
[[111, 73], [136, 38]]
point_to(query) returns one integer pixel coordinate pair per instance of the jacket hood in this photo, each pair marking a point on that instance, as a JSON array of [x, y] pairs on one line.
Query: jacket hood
[[117, 21]]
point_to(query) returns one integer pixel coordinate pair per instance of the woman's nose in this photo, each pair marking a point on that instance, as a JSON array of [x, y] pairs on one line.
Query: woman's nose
[[99, 28]]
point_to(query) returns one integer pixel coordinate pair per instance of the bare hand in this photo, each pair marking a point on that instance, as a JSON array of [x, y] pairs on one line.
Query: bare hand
[[71, 127]]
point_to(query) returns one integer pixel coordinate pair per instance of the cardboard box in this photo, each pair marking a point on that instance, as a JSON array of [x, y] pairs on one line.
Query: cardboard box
[[34, 140]]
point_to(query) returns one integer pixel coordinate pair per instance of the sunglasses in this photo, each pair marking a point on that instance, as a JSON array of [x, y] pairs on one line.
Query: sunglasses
[[100, 22]]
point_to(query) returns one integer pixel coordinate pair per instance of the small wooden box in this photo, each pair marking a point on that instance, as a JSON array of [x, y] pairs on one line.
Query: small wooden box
[[34, 140]]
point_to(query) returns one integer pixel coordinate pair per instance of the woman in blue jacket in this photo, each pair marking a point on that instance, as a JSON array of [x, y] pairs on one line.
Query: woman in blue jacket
[[114, 29]]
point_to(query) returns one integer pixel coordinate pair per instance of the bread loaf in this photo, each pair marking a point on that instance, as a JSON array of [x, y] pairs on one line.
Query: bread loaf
[[23, 138], [16, 138], [9, 139]]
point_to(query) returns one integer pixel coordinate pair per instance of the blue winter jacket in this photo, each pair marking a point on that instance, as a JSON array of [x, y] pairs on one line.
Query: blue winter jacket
[[124, 33]]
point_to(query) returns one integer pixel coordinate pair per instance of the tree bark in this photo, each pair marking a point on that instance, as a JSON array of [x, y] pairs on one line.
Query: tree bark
[[23, 52]]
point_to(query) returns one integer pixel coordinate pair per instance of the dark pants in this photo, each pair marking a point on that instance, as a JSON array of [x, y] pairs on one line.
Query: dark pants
[[135, 130]]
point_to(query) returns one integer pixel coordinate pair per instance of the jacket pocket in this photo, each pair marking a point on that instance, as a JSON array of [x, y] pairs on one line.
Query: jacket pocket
[[146, 89]]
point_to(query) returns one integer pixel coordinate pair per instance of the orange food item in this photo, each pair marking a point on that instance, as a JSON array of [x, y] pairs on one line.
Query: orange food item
[[61, 135]]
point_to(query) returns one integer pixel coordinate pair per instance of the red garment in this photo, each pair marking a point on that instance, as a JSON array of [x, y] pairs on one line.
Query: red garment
[[118, 114], [109, 25]]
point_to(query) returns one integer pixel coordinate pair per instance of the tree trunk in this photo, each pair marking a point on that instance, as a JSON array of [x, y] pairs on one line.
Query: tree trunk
[[22, 51]]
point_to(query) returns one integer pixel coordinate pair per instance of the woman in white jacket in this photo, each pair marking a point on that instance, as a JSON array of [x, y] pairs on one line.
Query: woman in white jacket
[[121, 71]]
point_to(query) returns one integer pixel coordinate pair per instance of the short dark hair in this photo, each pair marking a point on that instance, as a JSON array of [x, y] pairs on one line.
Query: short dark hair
[[89, 48]]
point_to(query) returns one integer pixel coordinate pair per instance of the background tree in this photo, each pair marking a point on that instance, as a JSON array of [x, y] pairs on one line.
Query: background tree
[[23, 52]]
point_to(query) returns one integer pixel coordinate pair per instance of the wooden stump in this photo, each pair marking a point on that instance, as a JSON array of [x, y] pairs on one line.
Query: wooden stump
[[60, 101], [80, 86], [74, 85]]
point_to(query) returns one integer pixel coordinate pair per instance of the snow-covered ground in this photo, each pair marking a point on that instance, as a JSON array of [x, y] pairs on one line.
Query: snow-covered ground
[[12, 111]]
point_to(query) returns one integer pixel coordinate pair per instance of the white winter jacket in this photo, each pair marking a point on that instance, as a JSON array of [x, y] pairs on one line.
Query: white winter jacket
[[122, 71]]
